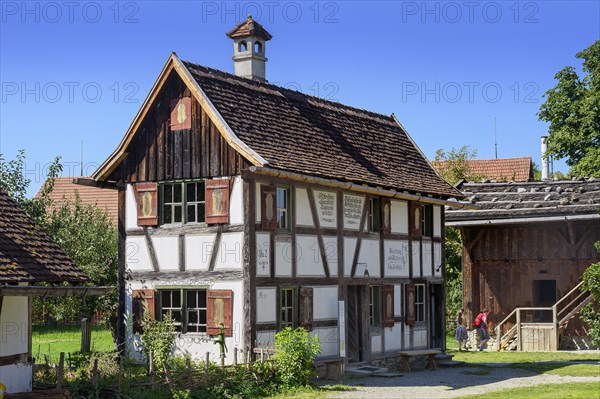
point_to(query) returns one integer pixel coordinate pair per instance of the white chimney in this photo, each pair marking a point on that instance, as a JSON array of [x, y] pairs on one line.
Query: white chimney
[[545, 160], [249, 60]]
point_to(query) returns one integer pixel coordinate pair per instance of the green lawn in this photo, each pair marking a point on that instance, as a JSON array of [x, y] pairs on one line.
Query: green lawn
[[586, 390], [51, 340]]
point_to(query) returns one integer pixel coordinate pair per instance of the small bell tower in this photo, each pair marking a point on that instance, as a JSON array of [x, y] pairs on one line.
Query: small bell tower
[[249, 38]]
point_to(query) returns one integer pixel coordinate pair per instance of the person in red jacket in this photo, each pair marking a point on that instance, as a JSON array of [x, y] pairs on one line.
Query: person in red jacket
[[481, 324]]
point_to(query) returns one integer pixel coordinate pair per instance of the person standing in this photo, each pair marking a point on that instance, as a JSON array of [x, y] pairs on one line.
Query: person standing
[[481, 324], [461, 331]]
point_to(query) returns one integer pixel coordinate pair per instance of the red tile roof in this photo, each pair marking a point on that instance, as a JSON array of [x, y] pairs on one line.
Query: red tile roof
[[64, 189], [501, 169], [27, 254]]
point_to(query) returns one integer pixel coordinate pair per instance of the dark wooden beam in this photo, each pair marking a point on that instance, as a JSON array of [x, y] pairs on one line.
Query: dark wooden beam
[[14, 359], [59, 291], [363, 220], [151, 251], [122, 258], [315, 216], [85, 181]]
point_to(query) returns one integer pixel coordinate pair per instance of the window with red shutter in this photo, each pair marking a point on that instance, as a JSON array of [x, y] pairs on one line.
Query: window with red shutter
[[268, 207], [388, 306], [219, 311], [217, 201], [411, 308], [147, 203], [142, 304], [305, 317]]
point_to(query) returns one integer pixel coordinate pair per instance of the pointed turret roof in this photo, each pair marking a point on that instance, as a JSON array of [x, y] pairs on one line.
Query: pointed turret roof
[[249, 27]]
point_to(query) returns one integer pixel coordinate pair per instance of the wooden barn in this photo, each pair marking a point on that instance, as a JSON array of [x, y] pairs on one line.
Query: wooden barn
[[524, 252], [27, 257], [247, 204]]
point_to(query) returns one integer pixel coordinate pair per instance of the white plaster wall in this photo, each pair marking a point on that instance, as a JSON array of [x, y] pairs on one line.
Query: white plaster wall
[[326, 203], [397, 301], [137, 256], [266, 305], [393, 339], [167, 252], [353, 206], [308, 256], [399, 216], [229, 255], [257, 203], [329, 340], [396, 258], [437, 259], [236, 202], [130, 208], [263, 254], [437, 221], [325, 303], [198, 250], [331, 250], [303, 213], [427, 248], [416, 258], [14, 330], [368, 258], [406, 337], [376, 345], [283, 258], [349, 249], [420, 338], [265, 339]]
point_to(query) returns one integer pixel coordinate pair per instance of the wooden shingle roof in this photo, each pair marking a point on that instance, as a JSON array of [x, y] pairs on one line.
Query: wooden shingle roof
[[249, 27], [27, 254], [308, 135], [501, 169], [537, 201]]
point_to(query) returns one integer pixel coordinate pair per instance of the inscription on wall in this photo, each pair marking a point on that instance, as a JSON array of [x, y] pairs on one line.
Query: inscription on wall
[[353, 207], [326, 208], [263, 258], [396, 258]]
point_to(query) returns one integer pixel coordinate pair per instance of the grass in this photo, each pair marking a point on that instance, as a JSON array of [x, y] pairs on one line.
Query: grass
[[51, 340], [585, 390], [312, 393], [561, 369]]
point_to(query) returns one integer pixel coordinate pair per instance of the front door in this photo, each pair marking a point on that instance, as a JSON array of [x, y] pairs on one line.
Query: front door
[[356, 340], [436, 326]]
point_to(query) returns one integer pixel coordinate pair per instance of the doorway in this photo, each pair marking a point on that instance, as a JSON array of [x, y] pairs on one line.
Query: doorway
[[436, 332], [544, 296], [356, 340]]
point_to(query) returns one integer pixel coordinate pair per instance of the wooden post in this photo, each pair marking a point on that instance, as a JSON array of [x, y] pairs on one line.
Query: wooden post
[[519, 330], [498, 338], [95, 374], [60, 371], [188, 370], [207, 361], [86, 335], [555, 328], [235, 355]]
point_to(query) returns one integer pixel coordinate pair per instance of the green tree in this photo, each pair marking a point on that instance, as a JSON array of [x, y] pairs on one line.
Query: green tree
[[455, 166], [295, 356], [572, 108], [591, 313], [453, 278]]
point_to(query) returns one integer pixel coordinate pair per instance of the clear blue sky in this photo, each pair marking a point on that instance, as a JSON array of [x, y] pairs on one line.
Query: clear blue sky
[[73, 71]]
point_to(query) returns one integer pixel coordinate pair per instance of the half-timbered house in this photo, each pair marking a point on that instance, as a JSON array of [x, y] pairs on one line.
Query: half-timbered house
[[245, 204]]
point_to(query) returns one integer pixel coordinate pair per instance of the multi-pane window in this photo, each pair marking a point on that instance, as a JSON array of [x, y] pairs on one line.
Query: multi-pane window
[[374, 214], [282, 208], [182, 202], [375, 305], [427, 220], [420, 302], [287, 308], [186, 307]]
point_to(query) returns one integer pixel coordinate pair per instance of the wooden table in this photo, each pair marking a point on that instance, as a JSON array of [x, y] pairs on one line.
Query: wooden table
[[430, 353]]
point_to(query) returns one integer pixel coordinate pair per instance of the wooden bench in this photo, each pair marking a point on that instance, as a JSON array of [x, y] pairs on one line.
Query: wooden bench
[[334, 366], [430, 353]]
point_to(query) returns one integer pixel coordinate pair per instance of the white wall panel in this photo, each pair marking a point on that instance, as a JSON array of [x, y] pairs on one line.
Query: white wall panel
[[303, 213], [266, 305], [308, 256], [376, 344], [136, 254], [130, 208], [437, 221], [396, 257], [167, 252], [397, 301], [437, 259], [353, 207], [198, 250], [236, 202], [229, 255], [326, 203], [427, 252], [283, 258], [399, 216], [263, 254], [325, 300], [349, 248], [393, 339], [368, 258], [331, 250], [257, 203], [419, 338], [416, 258], [329, 340]]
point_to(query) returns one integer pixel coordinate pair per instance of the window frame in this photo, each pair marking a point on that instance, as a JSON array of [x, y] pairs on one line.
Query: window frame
[[183, 204], [427, 220], [375, 311], [293, 307], [420, 305], [183, 326], [287, 210], [374, 214]]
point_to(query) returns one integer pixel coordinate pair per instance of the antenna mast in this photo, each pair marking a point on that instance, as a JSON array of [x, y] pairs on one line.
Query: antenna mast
[[81, 171], [495, 139]]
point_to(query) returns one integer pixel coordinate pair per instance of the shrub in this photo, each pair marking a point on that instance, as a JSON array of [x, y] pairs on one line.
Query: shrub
[[295, 356], [590, 313], [159, 339]]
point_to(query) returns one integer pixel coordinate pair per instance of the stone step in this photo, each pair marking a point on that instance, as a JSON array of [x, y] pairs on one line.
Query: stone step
[[366, 370]]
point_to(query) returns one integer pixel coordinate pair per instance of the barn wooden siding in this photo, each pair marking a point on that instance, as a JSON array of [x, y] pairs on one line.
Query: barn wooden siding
[[157, 153], [501, 262]]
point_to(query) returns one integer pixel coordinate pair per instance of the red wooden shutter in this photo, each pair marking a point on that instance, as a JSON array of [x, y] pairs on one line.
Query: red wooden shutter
[[147, 203], [143, 303], [219, 310], [411, 307], [386, 216], [268, 207], [388, 306], [416, 219], [217, 201], [305, 317], [181, 113]]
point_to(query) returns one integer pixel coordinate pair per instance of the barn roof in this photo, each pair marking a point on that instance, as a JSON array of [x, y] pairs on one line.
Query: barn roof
[[283, 129], [539, 201], [501, 169], [103, 198], [27, 254]]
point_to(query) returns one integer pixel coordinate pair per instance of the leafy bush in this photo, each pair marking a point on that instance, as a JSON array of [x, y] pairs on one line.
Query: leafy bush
[[159, 339], [296, 352], [590, 313]]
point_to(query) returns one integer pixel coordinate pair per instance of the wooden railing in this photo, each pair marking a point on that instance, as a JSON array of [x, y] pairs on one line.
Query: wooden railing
[[562, 311]]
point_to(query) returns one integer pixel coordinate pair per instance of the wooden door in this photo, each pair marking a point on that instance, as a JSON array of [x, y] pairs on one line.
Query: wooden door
[[355, 339]]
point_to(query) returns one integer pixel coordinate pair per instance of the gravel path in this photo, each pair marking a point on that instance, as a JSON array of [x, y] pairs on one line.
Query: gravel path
[[449, 383]]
